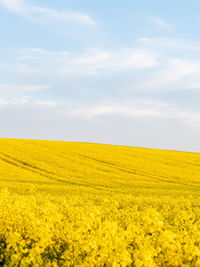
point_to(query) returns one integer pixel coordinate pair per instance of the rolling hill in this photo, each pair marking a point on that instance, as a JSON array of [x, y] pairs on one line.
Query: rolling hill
[[57, 166], [81, 204]]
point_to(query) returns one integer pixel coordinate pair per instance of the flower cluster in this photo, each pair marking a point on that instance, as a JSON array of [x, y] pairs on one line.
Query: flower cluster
[[112, 230]]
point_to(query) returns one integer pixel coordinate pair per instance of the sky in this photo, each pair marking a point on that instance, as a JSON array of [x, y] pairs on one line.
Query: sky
[[112, 72]]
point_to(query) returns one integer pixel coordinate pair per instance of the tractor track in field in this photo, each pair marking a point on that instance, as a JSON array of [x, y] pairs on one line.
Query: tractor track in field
[[52, 176], [115, 166], [26, 166], [135, 172]]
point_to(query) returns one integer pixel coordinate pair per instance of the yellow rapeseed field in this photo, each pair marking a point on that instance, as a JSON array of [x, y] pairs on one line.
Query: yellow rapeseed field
[[80, 204]]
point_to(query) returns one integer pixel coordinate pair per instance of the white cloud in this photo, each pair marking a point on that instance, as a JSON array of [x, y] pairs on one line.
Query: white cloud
[[46, 103], [161, 23], [37, 13], [160, 43], [107, 61], [137, 108], [8, 88], [13, 5], [163, 42], [21, 100], [132, 70], [90, 63], [125, 70], [64, 16], [177, 72], [190, 119], [194, 121], [14, 101]]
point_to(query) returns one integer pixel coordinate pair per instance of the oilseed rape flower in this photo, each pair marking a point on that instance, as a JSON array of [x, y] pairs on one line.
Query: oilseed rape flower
[[78, 204]]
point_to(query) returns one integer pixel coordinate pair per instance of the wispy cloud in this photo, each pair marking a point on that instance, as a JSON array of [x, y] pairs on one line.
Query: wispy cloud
[[13, 5], [89, 63], [135, 108], [161, 23], [135, 70], [121, 110], [43, 14], [138, 109], [169, 43], [124, 59], [25, 100], [10, 88], [177, 73], [46, 103], [14, 101]]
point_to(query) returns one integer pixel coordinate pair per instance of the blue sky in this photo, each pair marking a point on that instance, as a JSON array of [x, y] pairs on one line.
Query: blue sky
[[118, 72]]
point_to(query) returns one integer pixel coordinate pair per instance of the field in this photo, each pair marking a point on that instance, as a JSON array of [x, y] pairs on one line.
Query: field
[[81, 204]]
